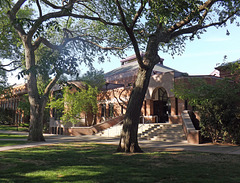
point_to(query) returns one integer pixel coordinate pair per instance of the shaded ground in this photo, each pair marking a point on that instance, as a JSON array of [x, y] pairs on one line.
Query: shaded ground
[[90, 162]]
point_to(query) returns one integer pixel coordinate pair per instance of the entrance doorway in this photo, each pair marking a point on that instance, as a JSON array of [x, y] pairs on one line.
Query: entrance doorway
[[160, 105]]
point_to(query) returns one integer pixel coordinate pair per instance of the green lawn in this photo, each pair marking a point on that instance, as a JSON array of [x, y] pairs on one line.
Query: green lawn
[[12, 136], [12, 140], [13, 128], [11, 143], [76, 162]]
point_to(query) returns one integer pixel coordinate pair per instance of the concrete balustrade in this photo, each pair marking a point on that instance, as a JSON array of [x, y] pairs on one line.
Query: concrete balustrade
[[193, 135]]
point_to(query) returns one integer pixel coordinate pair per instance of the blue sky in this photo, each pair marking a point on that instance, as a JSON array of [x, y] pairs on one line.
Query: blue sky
[[201, 56]]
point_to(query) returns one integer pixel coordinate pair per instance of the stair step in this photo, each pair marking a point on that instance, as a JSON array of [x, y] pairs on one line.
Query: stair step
[[157, 132], [163, 132]]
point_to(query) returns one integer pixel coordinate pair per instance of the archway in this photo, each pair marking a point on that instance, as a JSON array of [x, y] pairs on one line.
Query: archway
[[160, 105]]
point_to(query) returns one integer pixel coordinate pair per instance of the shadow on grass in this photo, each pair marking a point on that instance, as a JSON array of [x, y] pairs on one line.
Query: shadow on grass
[[75, 162], [12, 142], [12, 136]]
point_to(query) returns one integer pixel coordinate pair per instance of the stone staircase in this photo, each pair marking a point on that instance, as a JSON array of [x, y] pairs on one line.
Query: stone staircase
[[164, 132], [156, 131], [113, 131]]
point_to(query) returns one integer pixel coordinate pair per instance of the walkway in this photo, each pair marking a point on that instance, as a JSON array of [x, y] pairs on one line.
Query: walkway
[[146, 145]]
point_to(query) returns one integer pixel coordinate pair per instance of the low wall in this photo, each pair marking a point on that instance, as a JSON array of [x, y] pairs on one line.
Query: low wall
[[76, 131], [193, 135]]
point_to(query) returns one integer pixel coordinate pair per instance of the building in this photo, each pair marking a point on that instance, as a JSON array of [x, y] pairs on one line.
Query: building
[[9, 102], [229, 70], [159, 106]]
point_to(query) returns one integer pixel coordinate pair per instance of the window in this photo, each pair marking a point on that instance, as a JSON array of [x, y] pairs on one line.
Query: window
[[185, 105], [162, 94], [110, 110], [103, 110], [176, 106], [123, 109]]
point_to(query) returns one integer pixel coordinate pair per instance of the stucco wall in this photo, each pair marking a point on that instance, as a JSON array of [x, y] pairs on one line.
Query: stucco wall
[[165, 80]]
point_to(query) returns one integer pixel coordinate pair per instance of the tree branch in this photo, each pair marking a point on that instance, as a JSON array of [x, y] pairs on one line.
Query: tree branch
[[199, 26], [50, 85], [16, 7], [65, 13], [12, 62], [120, 10], [10, 70], [208, 4], [131, 35], [123, 102], [90, 9], [9, 64], [137, 15], [45, 42], [12, 16], [59, 47], [39, 8], [52, 5]]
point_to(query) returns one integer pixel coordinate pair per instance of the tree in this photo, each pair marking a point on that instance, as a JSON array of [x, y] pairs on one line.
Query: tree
[[79, 101], [74, 103], [154, 26], [47, 26], [218, 105]]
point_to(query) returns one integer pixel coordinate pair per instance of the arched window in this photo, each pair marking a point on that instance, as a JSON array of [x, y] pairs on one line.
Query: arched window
[[162, 94]]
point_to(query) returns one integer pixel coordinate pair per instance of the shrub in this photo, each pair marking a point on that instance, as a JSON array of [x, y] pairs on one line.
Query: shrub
[[218, 105]]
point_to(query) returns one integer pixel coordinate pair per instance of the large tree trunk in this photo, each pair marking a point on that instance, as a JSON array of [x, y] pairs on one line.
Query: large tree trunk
[[36, 122], [129, 141], [37, 104]]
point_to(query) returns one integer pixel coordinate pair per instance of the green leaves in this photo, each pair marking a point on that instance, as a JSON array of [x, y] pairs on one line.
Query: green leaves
[[218, 105], [76, 104]]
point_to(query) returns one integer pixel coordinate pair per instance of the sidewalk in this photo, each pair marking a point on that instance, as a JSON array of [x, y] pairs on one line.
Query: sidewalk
[[146, 145]]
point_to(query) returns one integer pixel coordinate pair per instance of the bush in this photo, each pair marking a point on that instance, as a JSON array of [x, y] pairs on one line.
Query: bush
[[6, 116], [218, 105]]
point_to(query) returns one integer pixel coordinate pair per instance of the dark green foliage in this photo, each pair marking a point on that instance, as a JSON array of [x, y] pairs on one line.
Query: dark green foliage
[[7, 116], [218, 105]]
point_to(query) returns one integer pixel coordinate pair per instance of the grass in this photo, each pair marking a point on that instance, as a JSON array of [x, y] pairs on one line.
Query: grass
[[13, 128], [11, 143], [12, 136], [78, 162], [12, 139]]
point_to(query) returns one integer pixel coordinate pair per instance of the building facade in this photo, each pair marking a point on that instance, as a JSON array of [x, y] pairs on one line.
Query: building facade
[[159, 105], [9, 102]]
